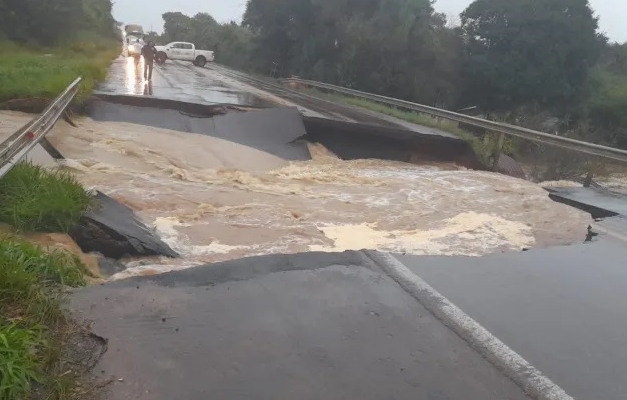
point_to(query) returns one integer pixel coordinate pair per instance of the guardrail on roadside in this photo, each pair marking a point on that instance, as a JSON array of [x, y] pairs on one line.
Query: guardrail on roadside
[[503, 129], [16, 146]]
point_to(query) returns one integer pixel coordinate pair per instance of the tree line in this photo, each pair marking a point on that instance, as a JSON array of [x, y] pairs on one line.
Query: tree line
[[512, 58], [55, 22], [518, 59]]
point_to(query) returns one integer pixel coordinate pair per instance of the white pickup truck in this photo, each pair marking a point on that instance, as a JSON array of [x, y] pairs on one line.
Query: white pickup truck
[[183, 51]]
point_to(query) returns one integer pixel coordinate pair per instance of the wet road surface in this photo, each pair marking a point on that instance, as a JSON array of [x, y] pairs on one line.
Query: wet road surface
[[216, 84], [174, 81], [601, 202], [315, 106], [308, 326], [562, 309]]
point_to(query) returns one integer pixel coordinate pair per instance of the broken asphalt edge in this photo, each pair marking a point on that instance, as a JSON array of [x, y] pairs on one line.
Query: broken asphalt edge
[[515, 367]]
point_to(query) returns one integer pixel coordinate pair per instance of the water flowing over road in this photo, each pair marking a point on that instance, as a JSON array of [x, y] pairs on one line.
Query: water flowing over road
[[213, 199]]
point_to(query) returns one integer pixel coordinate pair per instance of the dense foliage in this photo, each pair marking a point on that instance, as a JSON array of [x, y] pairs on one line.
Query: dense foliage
[[51, 22], [523, 52]]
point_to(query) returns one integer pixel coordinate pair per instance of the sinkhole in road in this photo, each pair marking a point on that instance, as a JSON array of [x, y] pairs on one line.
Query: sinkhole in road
[[240, 183]]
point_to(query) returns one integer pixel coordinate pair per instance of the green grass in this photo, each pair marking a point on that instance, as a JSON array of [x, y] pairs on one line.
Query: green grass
[[31, 318], [34, 199], [34, 330], [411, 116], [27, 72], [20, 366]]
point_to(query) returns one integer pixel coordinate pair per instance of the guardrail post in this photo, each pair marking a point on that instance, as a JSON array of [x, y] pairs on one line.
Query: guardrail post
[[16, 147], [500, 140], [588, 181]]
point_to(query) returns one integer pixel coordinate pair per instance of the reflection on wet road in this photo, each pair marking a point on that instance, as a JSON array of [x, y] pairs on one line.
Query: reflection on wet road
[[176, 81]]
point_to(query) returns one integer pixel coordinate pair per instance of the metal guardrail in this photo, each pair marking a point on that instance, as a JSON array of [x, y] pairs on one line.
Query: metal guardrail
[[529, 134], [16, 146]]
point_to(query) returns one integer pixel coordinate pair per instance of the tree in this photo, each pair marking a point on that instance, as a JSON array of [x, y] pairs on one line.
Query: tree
[[393, 47], [605, 104], [280, 26], [176, 26], [522, 52], [230, 41], [40, 22], [614, 58], [53, 21]]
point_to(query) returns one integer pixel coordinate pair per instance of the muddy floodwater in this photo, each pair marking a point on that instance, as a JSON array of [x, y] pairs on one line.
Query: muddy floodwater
[[213, 200]]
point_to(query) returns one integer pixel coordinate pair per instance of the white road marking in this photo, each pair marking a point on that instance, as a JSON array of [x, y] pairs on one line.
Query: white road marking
[[530, 379]]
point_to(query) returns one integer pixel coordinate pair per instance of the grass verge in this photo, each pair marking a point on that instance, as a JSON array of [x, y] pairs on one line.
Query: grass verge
[[31, 318], [35, 334], [32, 72], [34, 199]]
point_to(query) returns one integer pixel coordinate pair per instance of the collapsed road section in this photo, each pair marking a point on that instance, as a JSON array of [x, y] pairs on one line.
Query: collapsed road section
[[228, 185], [245, 181]]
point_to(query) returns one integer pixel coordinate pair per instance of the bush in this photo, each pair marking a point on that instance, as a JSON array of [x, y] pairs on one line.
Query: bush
[[56, 267], [607, 107], [30, 313], [35, 199], [26, 272], [20, 366]]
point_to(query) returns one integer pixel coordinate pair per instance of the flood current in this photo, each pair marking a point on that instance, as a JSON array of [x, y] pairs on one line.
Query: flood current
[[214, 200]]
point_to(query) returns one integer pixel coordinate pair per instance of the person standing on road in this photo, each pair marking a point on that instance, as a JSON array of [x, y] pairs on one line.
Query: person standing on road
[[149, 52]]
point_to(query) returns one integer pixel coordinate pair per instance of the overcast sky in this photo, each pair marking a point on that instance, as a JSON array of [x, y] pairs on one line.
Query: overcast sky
[[612, 13]]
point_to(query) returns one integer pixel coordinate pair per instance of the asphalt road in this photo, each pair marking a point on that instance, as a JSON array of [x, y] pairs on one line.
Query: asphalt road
[[175, 81], [171, 99], [215, 84], [308, 326], [562, 309]]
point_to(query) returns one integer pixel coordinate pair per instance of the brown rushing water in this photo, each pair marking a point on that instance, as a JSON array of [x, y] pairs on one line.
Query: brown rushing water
[[213, 200]]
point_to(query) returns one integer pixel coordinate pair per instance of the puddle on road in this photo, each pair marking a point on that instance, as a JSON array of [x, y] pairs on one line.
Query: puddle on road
[[209, 209]]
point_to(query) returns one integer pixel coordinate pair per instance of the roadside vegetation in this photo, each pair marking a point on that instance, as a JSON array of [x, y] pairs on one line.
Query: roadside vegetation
[[34, 331], [32, 323], [34, 199], [44, 46], [44, 72], [33, 327]]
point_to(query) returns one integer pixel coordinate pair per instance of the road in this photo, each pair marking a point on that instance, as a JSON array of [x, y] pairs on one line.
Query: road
[[218, 85], [307, 326], [318, 325], [337, 126], [176, 82], [563, 308]]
